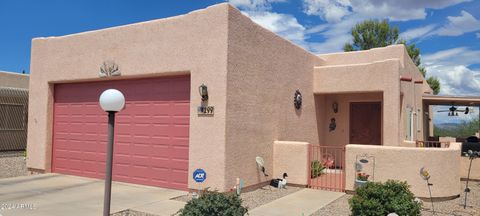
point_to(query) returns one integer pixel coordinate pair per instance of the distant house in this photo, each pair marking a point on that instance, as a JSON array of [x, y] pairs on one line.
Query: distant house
[[266, 97], [13, 111]]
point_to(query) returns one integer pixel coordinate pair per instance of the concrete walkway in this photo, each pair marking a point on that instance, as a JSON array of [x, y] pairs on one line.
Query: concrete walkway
[[55, 194], [304, 202]]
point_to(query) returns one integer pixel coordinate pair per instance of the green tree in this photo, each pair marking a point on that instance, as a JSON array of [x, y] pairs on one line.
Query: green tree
[[374, 33]]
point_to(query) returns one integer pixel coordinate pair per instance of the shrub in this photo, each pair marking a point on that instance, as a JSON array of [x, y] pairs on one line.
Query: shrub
[[316, 168], [214, 204], [380, 199]]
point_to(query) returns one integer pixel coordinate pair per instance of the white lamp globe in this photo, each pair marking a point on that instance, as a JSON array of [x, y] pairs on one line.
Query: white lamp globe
[[112, 100]]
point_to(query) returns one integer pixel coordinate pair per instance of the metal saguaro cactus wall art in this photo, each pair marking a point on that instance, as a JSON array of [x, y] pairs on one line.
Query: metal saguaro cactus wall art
[[472, 155], [426, 176], [109, 68]]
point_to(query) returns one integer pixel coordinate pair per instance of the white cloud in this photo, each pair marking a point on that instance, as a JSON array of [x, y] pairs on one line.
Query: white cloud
[[451, 68], [336, 36], [335, 10], [254, 5], [319, 28], [458, 25], [330, 10], [341, 16], [452, 57], [456, 80], [455, 26], [332, 44], [415, 33], [284, 25]]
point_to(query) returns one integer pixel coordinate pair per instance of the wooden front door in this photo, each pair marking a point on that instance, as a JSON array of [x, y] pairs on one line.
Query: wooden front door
[[366, 123]]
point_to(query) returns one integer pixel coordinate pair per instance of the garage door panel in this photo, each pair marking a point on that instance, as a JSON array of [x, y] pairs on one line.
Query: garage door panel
[[181, 120], [179, 153], [151, 134], [181, 141], [179, 131], [122, 148]]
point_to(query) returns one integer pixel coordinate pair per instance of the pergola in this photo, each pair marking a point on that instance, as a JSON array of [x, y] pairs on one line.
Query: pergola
[[432, 100]]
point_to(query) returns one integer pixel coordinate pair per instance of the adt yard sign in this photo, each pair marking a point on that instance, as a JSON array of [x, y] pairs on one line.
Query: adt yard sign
[[199, 175]]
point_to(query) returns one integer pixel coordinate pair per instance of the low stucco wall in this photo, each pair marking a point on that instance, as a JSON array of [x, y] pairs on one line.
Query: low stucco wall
[[404, 164], [13, 80], [291, 158], [474, 173]]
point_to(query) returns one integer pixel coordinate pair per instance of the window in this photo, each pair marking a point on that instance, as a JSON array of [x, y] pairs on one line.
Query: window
[[408, 124], [12, 117]]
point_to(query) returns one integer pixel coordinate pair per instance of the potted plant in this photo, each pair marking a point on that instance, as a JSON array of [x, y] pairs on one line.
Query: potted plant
[[362, 179]]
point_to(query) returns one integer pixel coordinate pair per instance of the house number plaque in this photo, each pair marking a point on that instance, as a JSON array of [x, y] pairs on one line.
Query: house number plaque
[[205, 110]]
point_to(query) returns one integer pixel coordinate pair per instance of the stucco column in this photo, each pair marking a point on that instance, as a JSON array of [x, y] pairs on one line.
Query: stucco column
[[391, 118]]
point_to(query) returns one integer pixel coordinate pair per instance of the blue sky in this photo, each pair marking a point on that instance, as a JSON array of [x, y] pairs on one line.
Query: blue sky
[[446, 31]]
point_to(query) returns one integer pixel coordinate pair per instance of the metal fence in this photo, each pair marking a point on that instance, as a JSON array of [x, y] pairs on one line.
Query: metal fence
[[432, 144], [13, 118], [327, 167]]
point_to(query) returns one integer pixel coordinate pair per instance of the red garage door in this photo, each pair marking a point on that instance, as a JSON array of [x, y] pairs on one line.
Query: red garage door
[[151, 133]]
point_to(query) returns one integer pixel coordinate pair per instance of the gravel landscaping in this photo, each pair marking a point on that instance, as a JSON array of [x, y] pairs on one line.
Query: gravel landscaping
[[131, 213], [12, 164], [454, 207], [251, 199], [257, 197]]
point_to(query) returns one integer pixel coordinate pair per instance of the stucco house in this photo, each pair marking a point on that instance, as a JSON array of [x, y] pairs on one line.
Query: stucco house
[[252, 75], [13, 111]]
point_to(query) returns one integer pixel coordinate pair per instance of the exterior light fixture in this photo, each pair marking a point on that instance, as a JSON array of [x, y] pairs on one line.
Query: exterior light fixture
[[202, 89], [297, 99], [111, 101], [335, 107]]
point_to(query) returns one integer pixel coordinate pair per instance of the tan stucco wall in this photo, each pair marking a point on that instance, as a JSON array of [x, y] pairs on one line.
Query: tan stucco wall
[[291, 158], [13, 80], [381, 76], [194, 44], [341, 135], [475, 170], [264, 70], [403, 163], [412, 92], [364, 56], [378, 70]]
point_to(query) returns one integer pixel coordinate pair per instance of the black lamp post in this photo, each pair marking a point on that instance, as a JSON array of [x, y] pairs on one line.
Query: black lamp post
[[111, 101]]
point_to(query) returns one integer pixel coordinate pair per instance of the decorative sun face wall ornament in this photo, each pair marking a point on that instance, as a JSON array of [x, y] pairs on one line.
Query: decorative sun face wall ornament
[[297, 99], [333, 125]]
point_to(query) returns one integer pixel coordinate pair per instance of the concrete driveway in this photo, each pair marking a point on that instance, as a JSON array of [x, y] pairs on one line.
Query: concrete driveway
[[55, 194]]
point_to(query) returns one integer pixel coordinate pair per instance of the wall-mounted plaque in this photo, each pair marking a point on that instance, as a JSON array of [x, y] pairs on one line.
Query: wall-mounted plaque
[[205, 110]]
